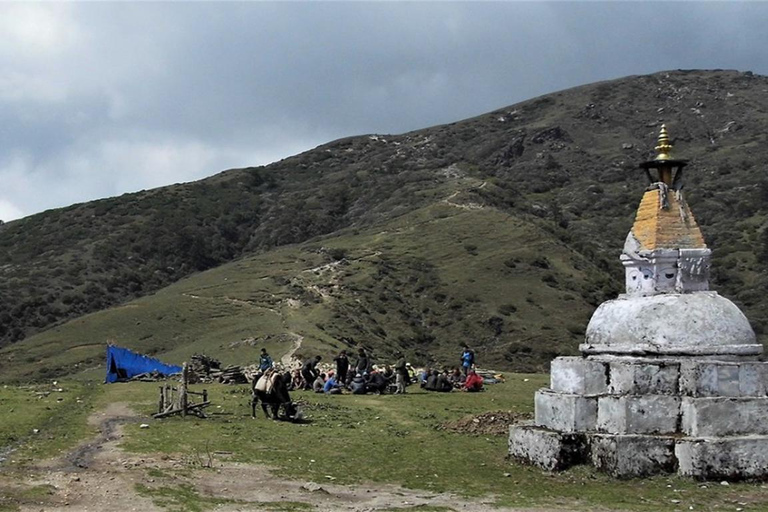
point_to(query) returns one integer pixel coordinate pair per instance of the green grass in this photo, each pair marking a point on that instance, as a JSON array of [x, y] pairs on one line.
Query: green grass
[[181, 498], [356, 440], [41, 420], [395, 440]]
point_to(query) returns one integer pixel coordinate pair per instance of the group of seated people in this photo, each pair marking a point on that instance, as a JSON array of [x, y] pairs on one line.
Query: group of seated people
[[381, 381], [446, 381], [376, 382]]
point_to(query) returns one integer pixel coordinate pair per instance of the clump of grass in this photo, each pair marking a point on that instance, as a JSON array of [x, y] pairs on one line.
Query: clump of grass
[[420, 508], [11, 499], [181, 498], [285, 506]]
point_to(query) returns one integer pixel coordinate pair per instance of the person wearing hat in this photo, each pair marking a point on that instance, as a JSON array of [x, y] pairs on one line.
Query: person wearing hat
[[357, 386], [410, 377]]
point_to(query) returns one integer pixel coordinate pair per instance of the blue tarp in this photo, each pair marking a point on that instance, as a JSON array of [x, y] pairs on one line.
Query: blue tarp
[[122, 364]]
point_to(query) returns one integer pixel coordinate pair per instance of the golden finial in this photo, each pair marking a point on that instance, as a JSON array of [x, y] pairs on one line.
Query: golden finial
[[664, 148]]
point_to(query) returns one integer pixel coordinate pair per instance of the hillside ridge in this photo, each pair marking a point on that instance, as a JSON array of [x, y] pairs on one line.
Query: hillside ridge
[[563, 162]]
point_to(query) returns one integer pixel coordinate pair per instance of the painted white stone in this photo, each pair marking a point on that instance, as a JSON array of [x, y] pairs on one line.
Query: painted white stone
[[702, 323], [643, 378], [547, 449], [631, 456], [723, 416], [578, 375], [664, 270], [565, 412], [752, 379], [722, 378], [732, 458], [641, 414]]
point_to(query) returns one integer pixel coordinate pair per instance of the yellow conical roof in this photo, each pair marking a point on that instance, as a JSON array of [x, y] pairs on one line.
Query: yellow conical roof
[[672, 227], [664, 220]]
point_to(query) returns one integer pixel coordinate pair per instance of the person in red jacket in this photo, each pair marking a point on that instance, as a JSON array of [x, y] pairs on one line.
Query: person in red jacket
[[474, 382]]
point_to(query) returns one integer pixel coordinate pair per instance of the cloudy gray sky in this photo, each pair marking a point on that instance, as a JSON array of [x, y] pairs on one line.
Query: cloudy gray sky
[[99, 99]]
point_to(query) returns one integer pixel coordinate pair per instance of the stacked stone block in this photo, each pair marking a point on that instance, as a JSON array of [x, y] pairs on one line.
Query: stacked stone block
[[635, 417]]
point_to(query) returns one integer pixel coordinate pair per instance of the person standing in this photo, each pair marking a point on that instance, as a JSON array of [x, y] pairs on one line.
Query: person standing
[[467, 358], [363, 364], [401, 374], [265, 361], [342, 366]]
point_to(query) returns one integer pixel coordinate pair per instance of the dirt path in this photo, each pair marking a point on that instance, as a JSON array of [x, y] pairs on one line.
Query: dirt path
[[288, 360], [99, 476], [96, 475]]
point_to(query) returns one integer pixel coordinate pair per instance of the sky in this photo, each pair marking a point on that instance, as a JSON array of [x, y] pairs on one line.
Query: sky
[[100, 99]]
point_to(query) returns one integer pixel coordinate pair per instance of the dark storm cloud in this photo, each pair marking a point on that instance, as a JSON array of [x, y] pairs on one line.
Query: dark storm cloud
[[100, 99]]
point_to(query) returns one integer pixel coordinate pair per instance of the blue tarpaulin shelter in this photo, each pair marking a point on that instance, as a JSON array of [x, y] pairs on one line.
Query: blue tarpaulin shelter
[[122, 364]]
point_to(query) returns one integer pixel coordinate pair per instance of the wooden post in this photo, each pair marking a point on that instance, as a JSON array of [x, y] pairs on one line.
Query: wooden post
[[205, 395], [161, 401], [183, 390], [168, 397]]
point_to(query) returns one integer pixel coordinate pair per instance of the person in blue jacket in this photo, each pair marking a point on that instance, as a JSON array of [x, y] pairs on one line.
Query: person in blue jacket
[[467, 358], [332, 386], [265, 361]]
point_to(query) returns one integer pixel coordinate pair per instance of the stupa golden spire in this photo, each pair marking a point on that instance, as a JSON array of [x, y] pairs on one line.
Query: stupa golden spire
[[664, 219], [664, 148]]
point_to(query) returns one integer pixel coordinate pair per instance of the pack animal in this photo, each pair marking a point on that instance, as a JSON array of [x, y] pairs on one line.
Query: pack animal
[[271, 390]]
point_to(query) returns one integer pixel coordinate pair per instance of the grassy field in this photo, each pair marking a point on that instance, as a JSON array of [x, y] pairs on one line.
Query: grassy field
[[348, 439]]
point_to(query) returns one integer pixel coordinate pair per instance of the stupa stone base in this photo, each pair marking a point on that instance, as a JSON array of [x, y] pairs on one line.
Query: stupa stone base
[[547, 449], [565, 412], [634, 417], [630, 456], [732, 458]]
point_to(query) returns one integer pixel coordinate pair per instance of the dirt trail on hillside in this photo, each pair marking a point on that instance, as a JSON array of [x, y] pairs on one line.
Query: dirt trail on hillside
[[288, 360], [98, 476]]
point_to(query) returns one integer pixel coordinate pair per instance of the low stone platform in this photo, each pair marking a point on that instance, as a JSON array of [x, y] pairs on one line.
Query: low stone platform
[[547, 449], [634, 417]]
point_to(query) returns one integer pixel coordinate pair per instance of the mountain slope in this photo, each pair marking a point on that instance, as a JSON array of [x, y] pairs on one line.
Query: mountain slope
[[421, 283], [564, 163]]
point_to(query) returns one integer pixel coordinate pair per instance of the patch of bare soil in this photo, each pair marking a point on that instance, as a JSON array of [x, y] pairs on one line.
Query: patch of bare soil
[[99, 476], [495, 423]]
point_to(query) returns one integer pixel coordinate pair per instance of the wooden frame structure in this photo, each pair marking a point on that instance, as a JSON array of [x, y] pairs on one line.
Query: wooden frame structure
[[176, 400]]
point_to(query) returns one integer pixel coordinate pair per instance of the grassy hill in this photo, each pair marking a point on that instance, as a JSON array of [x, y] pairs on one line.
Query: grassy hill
[[502, 230], [421, 283]]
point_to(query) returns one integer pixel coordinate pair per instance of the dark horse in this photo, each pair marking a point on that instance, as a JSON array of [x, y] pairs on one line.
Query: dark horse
[[273, 394]]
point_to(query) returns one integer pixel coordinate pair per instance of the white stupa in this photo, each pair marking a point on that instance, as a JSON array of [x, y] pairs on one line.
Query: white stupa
[[668, 380]]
